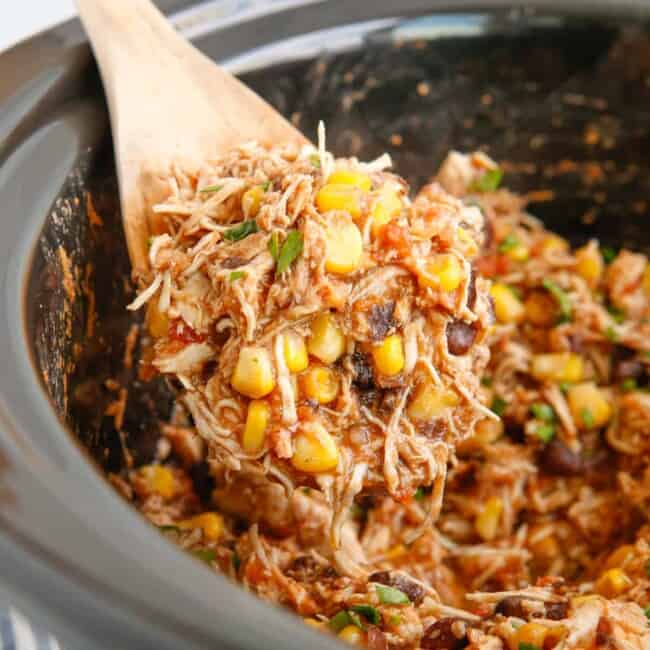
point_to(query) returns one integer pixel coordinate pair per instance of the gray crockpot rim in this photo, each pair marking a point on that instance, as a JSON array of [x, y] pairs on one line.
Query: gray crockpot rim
[[91, 567]]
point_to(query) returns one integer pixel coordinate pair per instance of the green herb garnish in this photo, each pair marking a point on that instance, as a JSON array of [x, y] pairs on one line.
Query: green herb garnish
[[212, 188], [587, 417], [237, 275], [646, 567], [419, 494], [611, 334], [617, 314], [564, 387], [561, 298], [528, 646], [395, 620], [486, 381], [646, 611], [629, 384], [315, 160], [369, 612], [543, 411], [391, 596], [291, 248], [169, 529], [241, 231], [204, 554], [609, 254], [545, 432], [265, 186], [489, 182], [498, 406], [339, 621], [508, 243], [274, 246], [355, 620]]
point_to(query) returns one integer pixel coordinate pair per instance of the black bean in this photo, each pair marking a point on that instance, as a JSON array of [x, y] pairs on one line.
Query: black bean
[[442, 635], [627, 369], [511, 606], [412, 589], [558, 459], [556, 611], [381, 319], [203, 481], [362, 368], [460, 336]]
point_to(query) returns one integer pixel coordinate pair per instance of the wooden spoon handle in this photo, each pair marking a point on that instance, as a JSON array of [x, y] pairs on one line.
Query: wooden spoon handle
[[168, 104]]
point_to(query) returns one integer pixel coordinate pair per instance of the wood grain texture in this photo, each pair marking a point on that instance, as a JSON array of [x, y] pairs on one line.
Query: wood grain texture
[[169, 104]]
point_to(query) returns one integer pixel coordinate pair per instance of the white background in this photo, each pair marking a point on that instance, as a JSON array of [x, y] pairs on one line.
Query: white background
[[25, 17]]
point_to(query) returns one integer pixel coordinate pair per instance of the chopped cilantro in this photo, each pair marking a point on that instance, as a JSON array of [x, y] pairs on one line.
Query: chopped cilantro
[[508, 243], [291, 248], [564, 386], [419, 494], [339, 621], [608, 253], [617, 314], [646, 611], [265, 186], [489, 182], [561, 298], [528, 646], [543, 411], [499, 405], [169, 529], [315, 160], [355, 620], [629, 384], [237, 275], [241, 231], [369, 612], [204, 554], [391, 596], [274, 246], [587, 417], [611, 334], [212, 188], [486, 381], [545, 432]]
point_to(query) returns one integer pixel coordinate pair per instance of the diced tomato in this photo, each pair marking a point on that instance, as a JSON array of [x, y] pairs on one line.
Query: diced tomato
[[181, 331], [493, 265], [393, 235]]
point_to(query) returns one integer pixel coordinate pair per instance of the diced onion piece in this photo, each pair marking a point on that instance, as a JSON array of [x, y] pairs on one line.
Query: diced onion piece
[[257, 419], [327, 341], [315, 450], [253, 374]]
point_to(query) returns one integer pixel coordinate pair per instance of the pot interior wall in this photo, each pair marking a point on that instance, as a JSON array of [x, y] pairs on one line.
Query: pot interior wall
[[562, 105]]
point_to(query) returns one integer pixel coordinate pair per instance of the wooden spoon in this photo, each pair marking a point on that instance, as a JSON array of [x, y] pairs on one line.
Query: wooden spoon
[[169, 105]]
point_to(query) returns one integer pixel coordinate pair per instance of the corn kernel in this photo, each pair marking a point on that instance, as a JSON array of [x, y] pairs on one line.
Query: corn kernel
[[547, 547], [487, 521], [314, 449], [252, 200], [350, 177], [343, 245], [352, 634], [541, 309], [389, 355], [589, 264], [210, 523], [295, 352], [646, 280], [507, 307], [386, 207], [443, 272], [431, 401], [470, 247], [157, 321], [621, 556], [339, 197], [518, 253], [488, 431], [257, 419], [588, 406], [253, 374], [321, 384], [613, 583], [159, 480], [531, 634], [327, 341], [554, 243], [557, 367]]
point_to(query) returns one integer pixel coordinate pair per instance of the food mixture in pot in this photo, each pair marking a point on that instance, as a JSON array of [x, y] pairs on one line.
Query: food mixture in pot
[[329, 339]]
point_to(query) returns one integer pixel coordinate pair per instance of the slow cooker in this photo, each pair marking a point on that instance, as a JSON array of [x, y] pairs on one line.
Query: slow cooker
[[523, 80]]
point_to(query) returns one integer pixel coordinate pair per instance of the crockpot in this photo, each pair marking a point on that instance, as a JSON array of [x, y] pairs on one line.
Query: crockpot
[[559, 92]]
